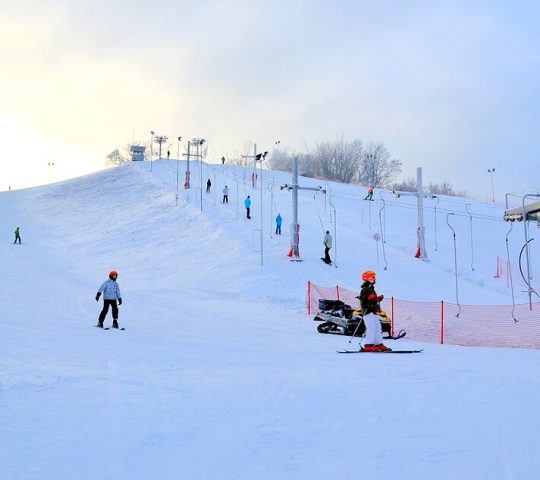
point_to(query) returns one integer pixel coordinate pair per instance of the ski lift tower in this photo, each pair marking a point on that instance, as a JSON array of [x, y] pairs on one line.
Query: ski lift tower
[[160, 139], [421, 229], [295, 227], [255, 158]]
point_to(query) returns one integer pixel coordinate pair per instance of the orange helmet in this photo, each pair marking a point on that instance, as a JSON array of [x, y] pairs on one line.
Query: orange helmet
[[113, 273], [368, 276]]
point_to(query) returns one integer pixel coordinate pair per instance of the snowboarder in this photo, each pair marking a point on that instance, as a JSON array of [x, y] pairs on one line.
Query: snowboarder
[[17, 235], [247, 203], [111, 297], [226, 194], [327, 246], [279, 221], [369, 302], [208, 185], [369, 195]]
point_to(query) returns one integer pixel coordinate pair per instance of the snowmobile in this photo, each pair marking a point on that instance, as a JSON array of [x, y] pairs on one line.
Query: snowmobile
[[341, 319]]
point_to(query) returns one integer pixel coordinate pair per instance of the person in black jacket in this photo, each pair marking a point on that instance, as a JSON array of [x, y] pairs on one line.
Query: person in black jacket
[[369, 302]]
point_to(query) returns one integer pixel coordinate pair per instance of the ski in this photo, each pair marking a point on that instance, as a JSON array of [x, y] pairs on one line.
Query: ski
[[109, 328], [102, 328], [386, 351]]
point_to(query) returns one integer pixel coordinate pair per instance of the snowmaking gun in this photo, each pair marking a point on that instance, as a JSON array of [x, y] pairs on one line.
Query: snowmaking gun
[[341, 319]]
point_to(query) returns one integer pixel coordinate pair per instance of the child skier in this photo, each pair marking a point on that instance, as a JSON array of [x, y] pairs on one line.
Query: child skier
[[279, 221], [369, 302], [327, 246], [226, 194], [247, 203], [17, 235], [111, 294]]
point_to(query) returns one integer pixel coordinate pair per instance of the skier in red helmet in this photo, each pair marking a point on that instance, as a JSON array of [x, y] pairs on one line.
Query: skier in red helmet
[[111, 298], [369, 302]]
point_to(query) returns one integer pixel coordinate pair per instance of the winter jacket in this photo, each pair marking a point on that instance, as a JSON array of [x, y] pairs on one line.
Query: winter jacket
[[110, 290], [226, 191], [247, 202], [279, 220], [369, 300], [17, 232], [328, 240]]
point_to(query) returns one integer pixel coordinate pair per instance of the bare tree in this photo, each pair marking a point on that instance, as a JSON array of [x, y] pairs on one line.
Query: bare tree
[[377, 168], [338, 160], [406, 185]]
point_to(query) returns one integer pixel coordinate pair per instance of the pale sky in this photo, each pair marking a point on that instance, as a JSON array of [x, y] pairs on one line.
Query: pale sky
[[451, 86]]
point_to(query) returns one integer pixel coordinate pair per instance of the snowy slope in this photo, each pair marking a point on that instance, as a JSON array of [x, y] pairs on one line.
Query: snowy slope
[[220, 373]]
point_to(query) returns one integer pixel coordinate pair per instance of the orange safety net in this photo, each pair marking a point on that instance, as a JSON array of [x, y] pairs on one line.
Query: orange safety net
[[438, 322]]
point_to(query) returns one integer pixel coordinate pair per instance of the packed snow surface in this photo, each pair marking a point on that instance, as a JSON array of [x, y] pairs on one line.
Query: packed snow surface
[[220, 373]]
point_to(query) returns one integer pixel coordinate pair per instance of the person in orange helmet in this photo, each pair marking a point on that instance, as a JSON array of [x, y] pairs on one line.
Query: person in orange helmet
[[111, 298], [369, 302]]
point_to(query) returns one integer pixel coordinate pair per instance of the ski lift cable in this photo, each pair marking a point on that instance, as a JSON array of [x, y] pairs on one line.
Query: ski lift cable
[[510, 273], [318, 211], [521, 270], [455, 262]]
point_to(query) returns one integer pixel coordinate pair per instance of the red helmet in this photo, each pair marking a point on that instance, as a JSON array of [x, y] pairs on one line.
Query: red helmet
[[369, 276], [113, 273]]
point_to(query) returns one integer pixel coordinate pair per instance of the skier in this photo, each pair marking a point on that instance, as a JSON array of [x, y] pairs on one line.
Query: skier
[[247, 203], [327, 246], [168, 154], [17, 236], [279, 221], [226, 194], [208, 185], [111, 294], [369, 195], [369, 302]]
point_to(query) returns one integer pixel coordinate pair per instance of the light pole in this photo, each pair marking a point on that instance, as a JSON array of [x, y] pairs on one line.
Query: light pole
[[152, 133], [177, 167], [51, 165], [198, 142], [259, 158], [492, 170]]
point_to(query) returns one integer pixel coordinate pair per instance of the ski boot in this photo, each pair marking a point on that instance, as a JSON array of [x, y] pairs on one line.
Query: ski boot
[[381, 348], [115, 324], [100, 325], [368, 348]]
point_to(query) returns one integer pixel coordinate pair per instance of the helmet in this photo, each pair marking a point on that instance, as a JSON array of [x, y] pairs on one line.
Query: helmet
[[368, 276], [113, 273]]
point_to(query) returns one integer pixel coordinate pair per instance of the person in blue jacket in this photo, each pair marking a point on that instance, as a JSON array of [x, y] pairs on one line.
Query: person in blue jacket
[[279, 220], [111, 298], [247, 203]]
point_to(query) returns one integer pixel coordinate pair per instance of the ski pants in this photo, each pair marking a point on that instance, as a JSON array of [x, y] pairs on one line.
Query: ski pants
[[327, 255], [248, 210], [105, 309], [278, 229], [373, 329], [17, 237], [225, 199]]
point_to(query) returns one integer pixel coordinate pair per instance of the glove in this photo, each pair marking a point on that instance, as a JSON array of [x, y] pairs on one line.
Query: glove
[[98, 294], [119, 301], [380, 298]]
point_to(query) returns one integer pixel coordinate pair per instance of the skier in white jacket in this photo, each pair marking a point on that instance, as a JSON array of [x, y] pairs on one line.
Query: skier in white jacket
[[111, 297]]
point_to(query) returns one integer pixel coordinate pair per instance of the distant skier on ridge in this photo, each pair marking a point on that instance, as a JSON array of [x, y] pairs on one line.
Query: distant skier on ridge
[[111, 295]]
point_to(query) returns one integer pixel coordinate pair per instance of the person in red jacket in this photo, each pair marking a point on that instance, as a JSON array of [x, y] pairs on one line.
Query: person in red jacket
[[369, 302]]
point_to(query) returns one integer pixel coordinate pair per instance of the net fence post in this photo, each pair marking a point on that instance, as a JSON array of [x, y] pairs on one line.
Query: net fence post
[[442, 322]]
